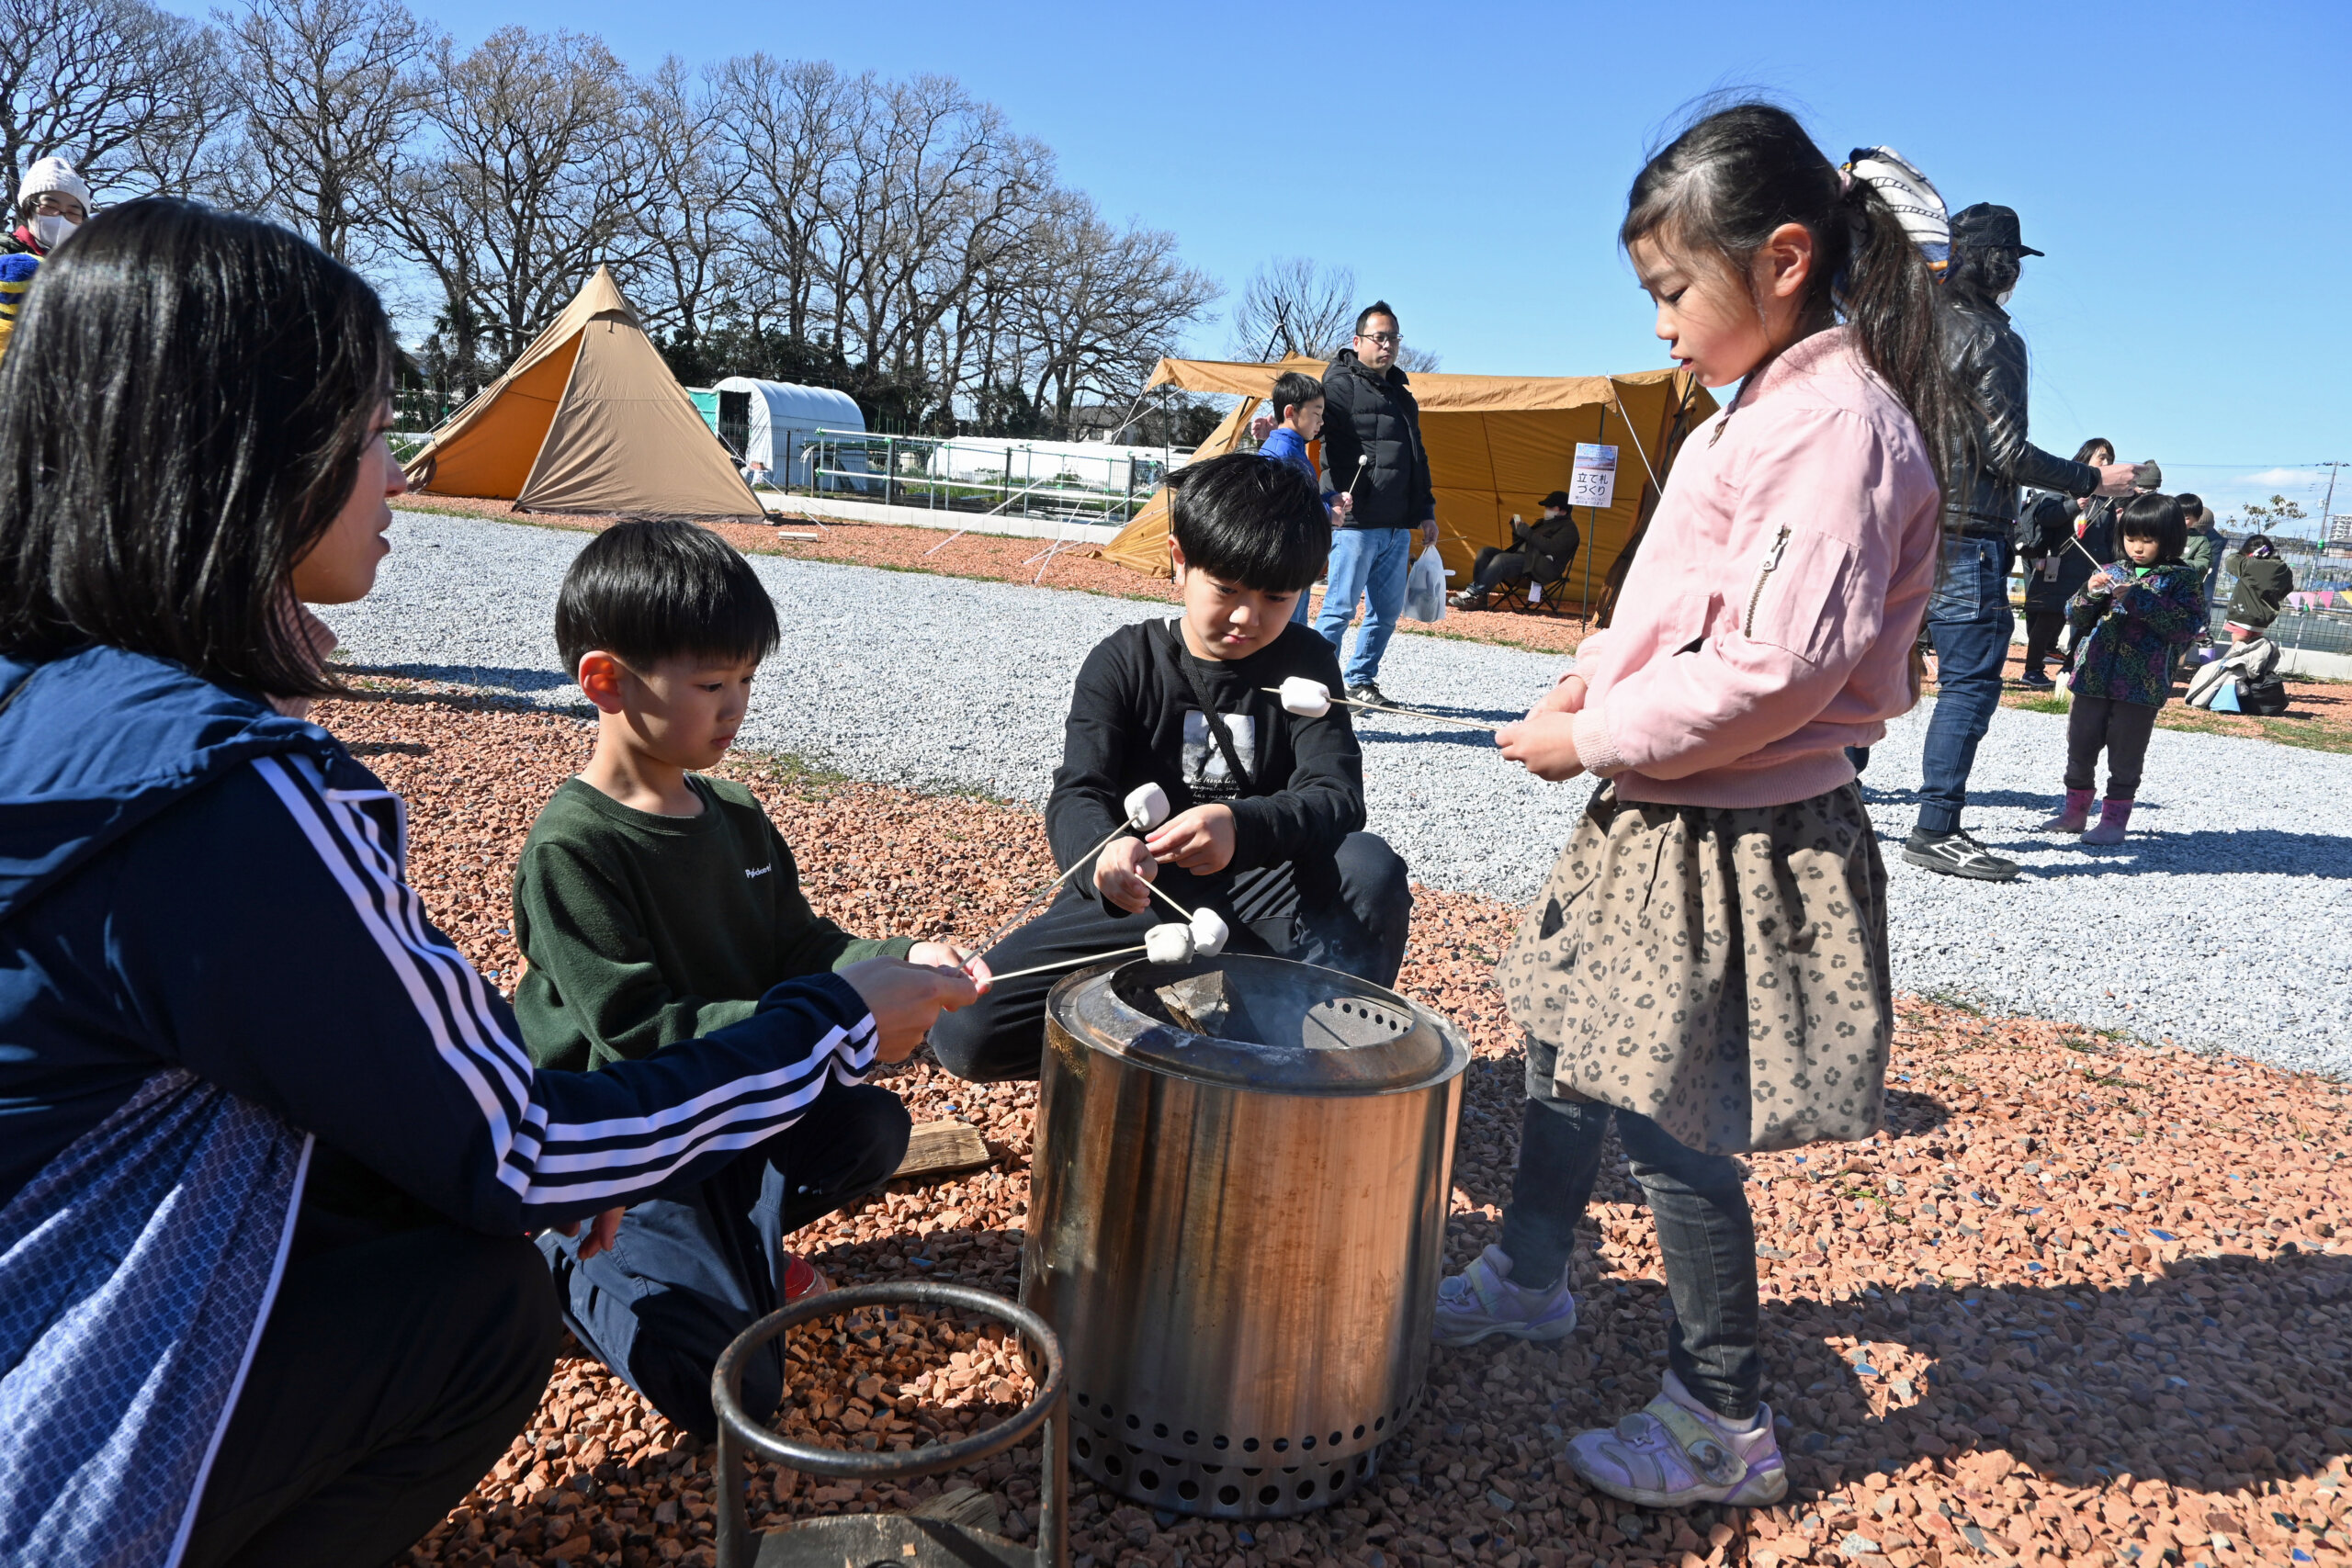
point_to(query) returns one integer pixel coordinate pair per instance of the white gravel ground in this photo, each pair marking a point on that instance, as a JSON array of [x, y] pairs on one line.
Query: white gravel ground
[[2220, 923]]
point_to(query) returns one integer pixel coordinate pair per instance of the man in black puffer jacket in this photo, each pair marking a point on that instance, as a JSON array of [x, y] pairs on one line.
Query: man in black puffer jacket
[[1969, 618], [1371, 444]]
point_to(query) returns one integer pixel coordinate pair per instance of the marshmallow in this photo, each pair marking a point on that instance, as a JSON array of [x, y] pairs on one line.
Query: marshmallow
[[1171, 943], [1209, 933], [1308, 699], [1146, 807]]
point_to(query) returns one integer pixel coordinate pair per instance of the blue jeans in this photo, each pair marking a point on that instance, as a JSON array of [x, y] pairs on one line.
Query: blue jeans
[[698, 1265], [1968, 624], [1706, 1237], [1370, 564]]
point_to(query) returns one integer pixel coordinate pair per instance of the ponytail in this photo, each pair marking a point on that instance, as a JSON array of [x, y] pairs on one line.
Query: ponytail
[[1739, 172]]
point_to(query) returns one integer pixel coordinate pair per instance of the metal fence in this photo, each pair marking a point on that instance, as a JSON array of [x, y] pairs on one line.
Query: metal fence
[[1048, 481]]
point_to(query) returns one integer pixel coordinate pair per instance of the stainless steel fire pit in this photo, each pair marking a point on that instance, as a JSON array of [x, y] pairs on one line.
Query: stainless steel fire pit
[[1235, 1225]]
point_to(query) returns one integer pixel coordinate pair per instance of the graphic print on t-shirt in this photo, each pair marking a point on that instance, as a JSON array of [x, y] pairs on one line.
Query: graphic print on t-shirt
[[1204, 769]]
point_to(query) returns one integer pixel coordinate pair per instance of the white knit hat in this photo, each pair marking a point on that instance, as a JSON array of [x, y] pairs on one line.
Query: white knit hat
[[53, 174]]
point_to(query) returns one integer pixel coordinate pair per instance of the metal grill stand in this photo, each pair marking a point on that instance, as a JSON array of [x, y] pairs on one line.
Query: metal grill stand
[[891, 1540]]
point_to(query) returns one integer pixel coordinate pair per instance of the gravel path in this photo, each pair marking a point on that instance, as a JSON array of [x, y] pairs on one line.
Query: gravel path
[[2218, 926]]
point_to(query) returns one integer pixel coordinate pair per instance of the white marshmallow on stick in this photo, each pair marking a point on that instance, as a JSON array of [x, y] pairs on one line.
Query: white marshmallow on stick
[[1146, 808], [1209, 931], [1171, 943], [1313, 699], [1306, 698]]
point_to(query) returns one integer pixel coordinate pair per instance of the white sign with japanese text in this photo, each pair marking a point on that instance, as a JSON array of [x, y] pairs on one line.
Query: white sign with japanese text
[[1595, 479]]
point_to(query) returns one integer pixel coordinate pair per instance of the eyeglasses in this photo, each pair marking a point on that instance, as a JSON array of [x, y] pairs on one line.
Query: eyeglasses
[[1385, 339]]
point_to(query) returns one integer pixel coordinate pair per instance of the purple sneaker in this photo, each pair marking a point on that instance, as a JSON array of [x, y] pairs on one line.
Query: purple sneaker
[[1481, 1300], [1674, 1453]]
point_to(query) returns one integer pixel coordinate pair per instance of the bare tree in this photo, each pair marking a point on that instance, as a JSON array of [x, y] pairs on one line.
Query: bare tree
[[790, 124], [523, 184], [129, 92], [1294, 305], [688, 264], [938, 190], [1111, 304], [329, 92]]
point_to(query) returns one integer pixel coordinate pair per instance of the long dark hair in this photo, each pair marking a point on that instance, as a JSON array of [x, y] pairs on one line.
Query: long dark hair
[[1725, 185], [2095, 443], [184, 407]]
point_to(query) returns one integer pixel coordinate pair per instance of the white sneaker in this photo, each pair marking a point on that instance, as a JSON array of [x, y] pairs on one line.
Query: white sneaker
[[1674, 1452]]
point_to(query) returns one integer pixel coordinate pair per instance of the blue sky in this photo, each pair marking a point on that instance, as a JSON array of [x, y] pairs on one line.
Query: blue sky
[[2185, 167]]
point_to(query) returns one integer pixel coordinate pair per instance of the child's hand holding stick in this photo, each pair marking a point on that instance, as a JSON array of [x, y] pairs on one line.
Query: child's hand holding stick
[[1124, 874], [1544, 744], [906, 1000]]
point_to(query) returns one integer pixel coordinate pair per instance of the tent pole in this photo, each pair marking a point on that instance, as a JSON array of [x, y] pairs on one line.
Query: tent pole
[[1583, 610]]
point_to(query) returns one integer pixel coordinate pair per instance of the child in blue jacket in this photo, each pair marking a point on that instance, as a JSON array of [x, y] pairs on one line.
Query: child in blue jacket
[[1298, 401]]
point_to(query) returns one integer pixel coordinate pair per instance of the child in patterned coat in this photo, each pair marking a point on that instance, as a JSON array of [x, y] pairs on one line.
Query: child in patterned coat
[[2130, 621]]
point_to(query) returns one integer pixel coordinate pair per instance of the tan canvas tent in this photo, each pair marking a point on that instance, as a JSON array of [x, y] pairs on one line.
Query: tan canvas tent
[[1498, 444], [587, 419]]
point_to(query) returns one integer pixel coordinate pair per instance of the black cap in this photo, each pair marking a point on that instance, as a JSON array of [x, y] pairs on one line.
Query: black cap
[[1986, 227], [1557, 500]]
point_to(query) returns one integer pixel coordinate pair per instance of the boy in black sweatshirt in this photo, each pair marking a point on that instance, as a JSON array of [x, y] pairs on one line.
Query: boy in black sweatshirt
[[1268, 807]]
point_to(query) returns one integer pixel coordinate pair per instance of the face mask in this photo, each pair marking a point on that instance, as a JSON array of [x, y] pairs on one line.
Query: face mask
[[2003, 296], [54, 231]]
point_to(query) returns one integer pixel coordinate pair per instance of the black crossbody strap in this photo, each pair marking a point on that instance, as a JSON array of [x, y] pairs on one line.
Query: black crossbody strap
[[1209, 716]]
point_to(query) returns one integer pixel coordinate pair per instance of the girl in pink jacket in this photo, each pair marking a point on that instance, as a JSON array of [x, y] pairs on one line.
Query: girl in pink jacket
[[1708, 964]]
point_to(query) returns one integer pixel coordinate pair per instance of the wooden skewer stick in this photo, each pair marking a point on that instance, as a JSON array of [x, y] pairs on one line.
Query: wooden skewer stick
[[1403, 713], [1006, 930], [1067, 962], [1158, 893]]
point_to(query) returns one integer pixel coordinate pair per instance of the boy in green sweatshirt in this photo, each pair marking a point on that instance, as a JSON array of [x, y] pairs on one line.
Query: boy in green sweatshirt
[[653, 905]]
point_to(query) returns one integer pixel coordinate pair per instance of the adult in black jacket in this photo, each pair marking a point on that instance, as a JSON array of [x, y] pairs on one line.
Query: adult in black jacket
[[1371, 444], [1969, 619], [1542, 554], [2048, 540]]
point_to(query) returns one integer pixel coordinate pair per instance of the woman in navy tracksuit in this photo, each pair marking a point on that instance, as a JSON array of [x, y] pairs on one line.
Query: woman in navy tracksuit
[[269, 1147]]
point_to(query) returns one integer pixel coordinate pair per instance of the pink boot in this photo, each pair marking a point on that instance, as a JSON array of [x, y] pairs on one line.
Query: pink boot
[[2073, 817], [2113, 817]]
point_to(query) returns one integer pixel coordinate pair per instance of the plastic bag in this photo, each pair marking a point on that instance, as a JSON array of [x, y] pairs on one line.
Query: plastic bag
[[1425, 588]]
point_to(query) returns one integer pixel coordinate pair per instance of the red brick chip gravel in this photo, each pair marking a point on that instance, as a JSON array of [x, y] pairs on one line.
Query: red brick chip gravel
[[2082, 1301]]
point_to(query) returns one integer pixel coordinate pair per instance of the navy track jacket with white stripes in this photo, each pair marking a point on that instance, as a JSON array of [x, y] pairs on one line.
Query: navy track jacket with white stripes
[[190, 880]]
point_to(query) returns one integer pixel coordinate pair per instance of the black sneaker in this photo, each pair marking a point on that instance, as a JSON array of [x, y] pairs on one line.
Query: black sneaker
[[2035, 680], [1957, 854], [1369, 693]]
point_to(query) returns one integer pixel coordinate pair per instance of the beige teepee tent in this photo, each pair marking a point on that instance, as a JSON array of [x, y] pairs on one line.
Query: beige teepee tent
[[588, 418]]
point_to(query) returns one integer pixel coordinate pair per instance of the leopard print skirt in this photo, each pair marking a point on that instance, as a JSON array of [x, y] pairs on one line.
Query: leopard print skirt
[[1720, 970]]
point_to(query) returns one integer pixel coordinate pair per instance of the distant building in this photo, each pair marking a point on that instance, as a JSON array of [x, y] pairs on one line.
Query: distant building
[[1096, 422]]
